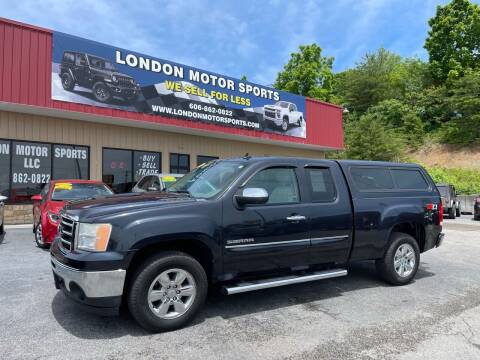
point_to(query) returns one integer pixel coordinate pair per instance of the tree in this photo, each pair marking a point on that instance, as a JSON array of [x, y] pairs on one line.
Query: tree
[[401, 119], [463, 109], [369, 139], [453, 42], [307, 73], [379, 76]]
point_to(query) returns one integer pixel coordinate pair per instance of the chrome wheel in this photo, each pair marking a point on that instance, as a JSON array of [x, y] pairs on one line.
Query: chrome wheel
[[172, 293], [404, 260], [38, 235], [284, 125]]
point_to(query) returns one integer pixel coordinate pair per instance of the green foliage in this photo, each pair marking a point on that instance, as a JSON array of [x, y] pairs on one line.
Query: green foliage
[[380, 76], [400, 118], [453, 42], [466, 182], [369, 139], [307, 73]]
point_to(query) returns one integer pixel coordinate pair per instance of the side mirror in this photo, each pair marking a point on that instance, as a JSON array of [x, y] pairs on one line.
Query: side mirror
[[3, 198], [36, 197], [252, 196]]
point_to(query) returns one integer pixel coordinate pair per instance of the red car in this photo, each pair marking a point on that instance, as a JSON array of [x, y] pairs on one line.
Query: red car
[[54, 195]]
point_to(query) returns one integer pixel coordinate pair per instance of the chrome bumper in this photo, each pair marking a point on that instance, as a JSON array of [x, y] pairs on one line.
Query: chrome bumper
[[94, 284]]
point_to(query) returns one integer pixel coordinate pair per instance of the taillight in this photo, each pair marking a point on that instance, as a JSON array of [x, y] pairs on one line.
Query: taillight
[[440, 213]]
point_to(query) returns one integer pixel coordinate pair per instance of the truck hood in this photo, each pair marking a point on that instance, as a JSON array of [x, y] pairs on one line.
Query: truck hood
[[110, 205]]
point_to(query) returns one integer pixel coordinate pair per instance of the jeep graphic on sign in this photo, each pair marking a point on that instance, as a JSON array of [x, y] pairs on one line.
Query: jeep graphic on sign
[[283, 114], [97, 74]]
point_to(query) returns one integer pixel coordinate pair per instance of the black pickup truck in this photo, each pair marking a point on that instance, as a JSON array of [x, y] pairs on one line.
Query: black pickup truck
[[240, 225]]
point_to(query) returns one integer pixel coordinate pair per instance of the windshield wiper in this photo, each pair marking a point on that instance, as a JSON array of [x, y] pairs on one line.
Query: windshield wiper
[[182, 191]]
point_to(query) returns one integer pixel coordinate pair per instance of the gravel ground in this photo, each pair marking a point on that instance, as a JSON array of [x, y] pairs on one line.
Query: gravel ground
[[354, 317]]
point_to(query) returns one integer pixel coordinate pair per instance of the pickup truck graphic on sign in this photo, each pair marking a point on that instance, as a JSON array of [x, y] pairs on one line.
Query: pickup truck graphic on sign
[[283, 114]]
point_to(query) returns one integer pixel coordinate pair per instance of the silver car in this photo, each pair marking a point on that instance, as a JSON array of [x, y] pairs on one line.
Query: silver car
[[156, 182], [2, 211]]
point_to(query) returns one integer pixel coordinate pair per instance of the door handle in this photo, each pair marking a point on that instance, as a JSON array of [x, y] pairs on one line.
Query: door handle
[[296, 218]]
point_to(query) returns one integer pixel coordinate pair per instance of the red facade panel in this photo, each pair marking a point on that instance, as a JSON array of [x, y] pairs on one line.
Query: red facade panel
[[25, 74]]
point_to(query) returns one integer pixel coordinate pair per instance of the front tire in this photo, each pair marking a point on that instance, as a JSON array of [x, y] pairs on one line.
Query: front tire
[[39, 237], [101, 92], [400, 263], [285, 124], [458, 212], [167, 291]]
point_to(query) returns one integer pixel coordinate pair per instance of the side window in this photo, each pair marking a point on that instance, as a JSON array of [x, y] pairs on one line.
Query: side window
[[156, 183], [409, 179], [143, 183], [68, 57], [280, 183], [80, 60], [321, 184], [371, 178]]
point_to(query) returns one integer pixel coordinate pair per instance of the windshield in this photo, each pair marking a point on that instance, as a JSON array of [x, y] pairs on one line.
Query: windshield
[[209, 179], [101, 63], [443, 190], [282, 104], [75, 191]]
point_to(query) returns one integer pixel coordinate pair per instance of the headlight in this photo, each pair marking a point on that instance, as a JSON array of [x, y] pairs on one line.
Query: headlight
[[54, 218], [114, 78], [93, 237]]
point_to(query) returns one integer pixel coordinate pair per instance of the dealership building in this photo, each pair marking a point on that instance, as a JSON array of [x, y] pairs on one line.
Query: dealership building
[[75, 108]]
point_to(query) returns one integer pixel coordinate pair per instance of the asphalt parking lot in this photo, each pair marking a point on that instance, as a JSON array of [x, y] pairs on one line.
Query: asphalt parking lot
[[355, 317]]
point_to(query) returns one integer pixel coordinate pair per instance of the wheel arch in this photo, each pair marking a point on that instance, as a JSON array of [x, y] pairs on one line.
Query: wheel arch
[[191, 245], [415, 230]]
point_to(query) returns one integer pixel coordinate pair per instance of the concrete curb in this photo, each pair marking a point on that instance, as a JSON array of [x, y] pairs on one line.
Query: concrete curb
[[20, 226]]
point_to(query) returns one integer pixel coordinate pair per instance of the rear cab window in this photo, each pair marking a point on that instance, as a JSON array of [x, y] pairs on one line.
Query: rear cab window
[[409, 179], [372, 179], [320, 184]]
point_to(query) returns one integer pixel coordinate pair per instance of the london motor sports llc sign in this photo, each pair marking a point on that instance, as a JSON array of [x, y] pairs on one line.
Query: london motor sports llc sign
[[96, 74]]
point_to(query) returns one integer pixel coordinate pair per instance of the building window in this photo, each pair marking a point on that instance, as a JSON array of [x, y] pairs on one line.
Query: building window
[[179, 163], [117, 169], [202, 159], [5, 166], [27, 166], [122, 168], [70, 162], [31, 169], [146, 163]]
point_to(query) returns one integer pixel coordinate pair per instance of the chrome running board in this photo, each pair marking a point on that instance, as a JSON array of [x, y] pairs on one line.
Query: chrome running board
[[281, 281]]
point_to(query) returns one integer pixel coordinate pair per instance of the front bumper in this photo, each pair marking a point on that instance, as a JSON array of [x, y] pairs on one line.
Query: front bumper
[[100, 291], [128, 92]]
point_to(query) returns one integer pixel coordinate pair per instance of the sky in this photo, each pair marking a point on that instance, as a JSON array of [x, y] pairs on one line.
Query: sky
[[243, 37]]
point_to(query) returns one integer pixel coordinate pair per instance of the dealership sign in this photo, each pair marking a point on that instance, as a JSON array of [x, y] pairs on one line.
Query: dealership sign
[[96, 74]]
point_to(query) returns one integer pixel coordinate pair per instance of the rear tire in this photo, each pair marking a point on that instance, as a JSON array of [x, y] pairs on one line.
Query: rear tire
[[400, 263], [451, 213], [68, 83], [458, 212], [155, 297]]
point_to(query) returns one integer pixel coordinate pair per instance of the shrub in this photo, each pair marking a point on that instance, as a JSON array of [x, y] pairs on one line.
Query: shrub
[[466, 181]]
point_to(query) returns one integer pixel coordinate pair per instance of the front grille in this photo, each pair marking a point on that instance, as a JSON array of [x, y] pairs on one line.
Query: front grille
[[125, 82], [270, 114], [67, 232]]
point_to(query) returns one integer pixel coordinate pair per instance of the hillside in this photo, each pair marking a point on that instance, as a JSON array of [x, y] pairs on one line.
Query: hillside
[[447, 156]]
